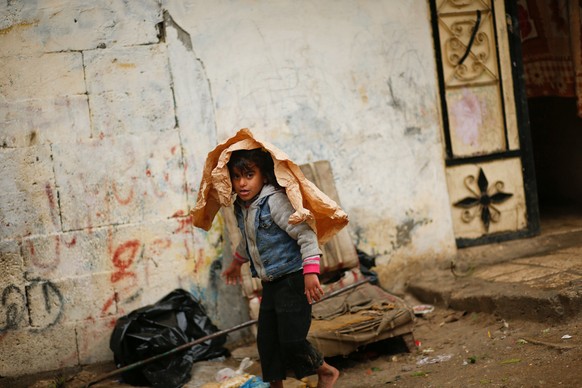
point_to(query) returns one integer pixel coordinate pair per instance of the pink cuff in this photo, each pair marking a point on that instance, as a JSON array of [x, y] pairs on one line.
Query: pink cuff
[[311, 265], [239, 258], [311, 268]]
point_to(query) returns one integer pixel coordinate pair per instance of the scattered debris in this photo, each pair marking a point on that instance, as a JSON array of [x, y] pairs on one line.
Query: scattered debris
[[511, 361], [420, 374], [243, 380], [434, 360], [549, 344], [236, 381], [142, 340], [455, 316], [566, 336], [423, 309], [228, 373]]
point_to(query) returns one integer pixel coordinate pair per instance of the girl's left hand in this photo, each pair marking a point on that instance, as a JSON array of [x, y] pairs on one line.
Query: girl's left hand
[[232, 274], [313, 289]]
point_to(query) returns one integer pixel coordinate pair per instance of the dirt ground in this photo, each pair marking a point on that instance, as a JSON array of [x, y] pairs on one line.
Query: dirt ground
[[474, 349], [455, 349]]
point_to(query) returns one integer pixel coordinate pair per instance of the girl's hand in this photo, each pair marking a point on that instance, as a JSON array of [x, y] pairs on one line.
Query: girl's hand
[[232, 274], [313, 289]]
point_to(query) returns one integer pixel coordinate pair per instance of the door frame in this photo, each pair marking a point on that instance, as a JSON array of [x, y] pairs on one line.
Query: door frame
[[525, 151]]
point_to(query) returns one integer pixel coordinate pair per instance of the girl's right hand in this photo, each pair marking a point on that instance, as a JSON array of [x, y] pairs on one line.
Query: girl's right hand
[[232, 275]]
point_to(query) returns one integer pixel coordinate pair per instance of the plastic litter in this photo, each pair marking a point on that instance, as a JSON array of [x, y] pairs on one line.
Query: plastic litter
[[255, 382], [434, 360], [244, 380], [422, 309], [176, 319], [367, 262], [236, 381], [228, 373]]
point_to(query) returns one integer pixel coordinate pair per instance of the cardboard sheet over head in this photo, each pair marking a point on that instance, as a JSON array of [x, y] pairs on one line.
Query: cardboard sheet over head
[[311, 205]]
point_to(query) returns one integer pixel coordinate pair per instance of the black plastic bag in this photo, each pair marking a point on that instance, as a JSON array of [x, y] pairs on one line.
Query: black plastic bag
[[367, 262], [176, 319]]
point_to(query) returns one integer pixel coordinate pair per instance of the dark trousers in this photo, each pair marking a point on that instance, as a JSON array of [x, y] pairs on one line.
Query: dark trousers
[[284, 320]]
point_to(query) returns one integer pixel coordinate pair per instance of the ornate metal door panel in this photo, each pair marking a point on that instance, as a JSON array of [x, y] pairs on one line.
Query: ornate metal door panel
[[488, 154]]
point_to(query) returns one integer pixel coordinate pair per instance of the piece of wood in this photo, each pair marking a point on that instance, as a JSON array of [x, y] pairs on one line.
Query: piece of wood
[[548, 344]]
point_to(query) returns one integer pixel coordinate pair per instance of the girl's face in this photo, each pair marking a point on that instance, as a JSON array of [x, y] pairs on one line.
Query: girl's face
[[247, 184]]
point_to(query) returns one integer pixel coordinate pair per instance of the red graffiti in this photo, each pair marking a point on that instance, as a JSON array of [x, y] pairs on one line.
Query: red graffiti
[[52, 203], [122, 258], [156, 189], [123, 201], [71, 243], [183, 223], [159, 245], [31, 247], [58, 248], [44, 261], [109, 303], [178, 213], [47, 260], [51, 196], [199, 260], [187, 249]]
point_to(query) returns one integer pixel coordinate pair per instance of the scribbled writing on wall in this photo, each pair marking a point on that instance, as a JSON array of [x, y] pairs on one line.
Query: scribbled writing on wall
[[49, 261], [41, 300], [12, 308], [136, 261]]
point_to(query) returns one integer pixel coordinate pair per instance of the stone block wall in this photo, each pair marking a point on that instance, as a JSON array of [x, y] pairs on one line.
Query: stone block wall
[[108, 109], [105, 121]]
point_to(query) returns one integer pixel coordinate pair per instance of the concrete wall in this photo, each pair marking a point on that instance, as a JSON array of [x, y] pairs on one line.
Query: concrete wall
[[350, 81], [106, 118], [104, 127]]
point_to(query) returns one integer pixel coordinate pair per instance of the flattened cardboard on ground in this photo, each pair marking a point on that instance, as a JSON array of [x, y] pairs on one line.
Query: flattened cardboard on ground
[[376, 315]]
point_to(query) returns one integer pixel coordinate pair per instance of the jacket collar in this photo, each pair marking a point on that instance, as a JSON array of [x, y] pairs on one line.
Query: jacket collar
[[266, 191]]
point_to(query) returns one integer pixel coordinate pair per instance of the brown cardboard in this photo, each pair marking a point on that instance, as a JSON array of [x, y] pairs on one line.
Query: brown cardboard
[[311, 205]]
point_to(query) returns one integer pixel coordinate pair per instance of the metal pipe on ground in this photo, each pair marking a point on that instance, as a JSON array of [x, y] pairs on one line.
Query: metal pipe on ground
[[208, 337]]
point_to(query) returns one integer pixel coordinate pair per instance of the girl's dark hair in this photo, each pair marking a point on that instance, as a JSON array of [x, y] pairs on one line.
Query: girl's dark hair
[[245, 160]]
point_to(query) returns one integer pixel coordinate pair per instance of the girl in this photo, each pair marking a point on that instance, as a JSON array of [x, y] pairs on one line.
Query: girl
[[286, 259]]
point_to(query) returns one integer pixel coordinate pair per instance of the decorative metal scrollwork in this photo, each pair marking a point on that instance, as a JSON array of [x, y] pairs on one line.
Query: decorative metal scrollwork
[[477, 48], [484, 201], [461, 3]]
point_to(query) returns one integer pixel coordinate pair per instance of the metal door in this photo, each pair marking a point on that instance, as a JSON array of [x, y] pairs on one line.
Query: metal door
[[489, 162]]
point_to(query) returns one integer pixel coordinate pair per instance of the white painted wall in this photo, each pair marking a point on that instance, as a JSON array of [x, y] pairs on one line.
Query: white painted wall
[[103, 132], [350, 81], [104, 129]]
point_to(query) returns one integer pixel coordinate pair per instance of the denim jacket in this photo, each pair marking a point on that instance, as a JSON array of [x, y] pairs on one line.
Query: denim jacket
[[274, 247]]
